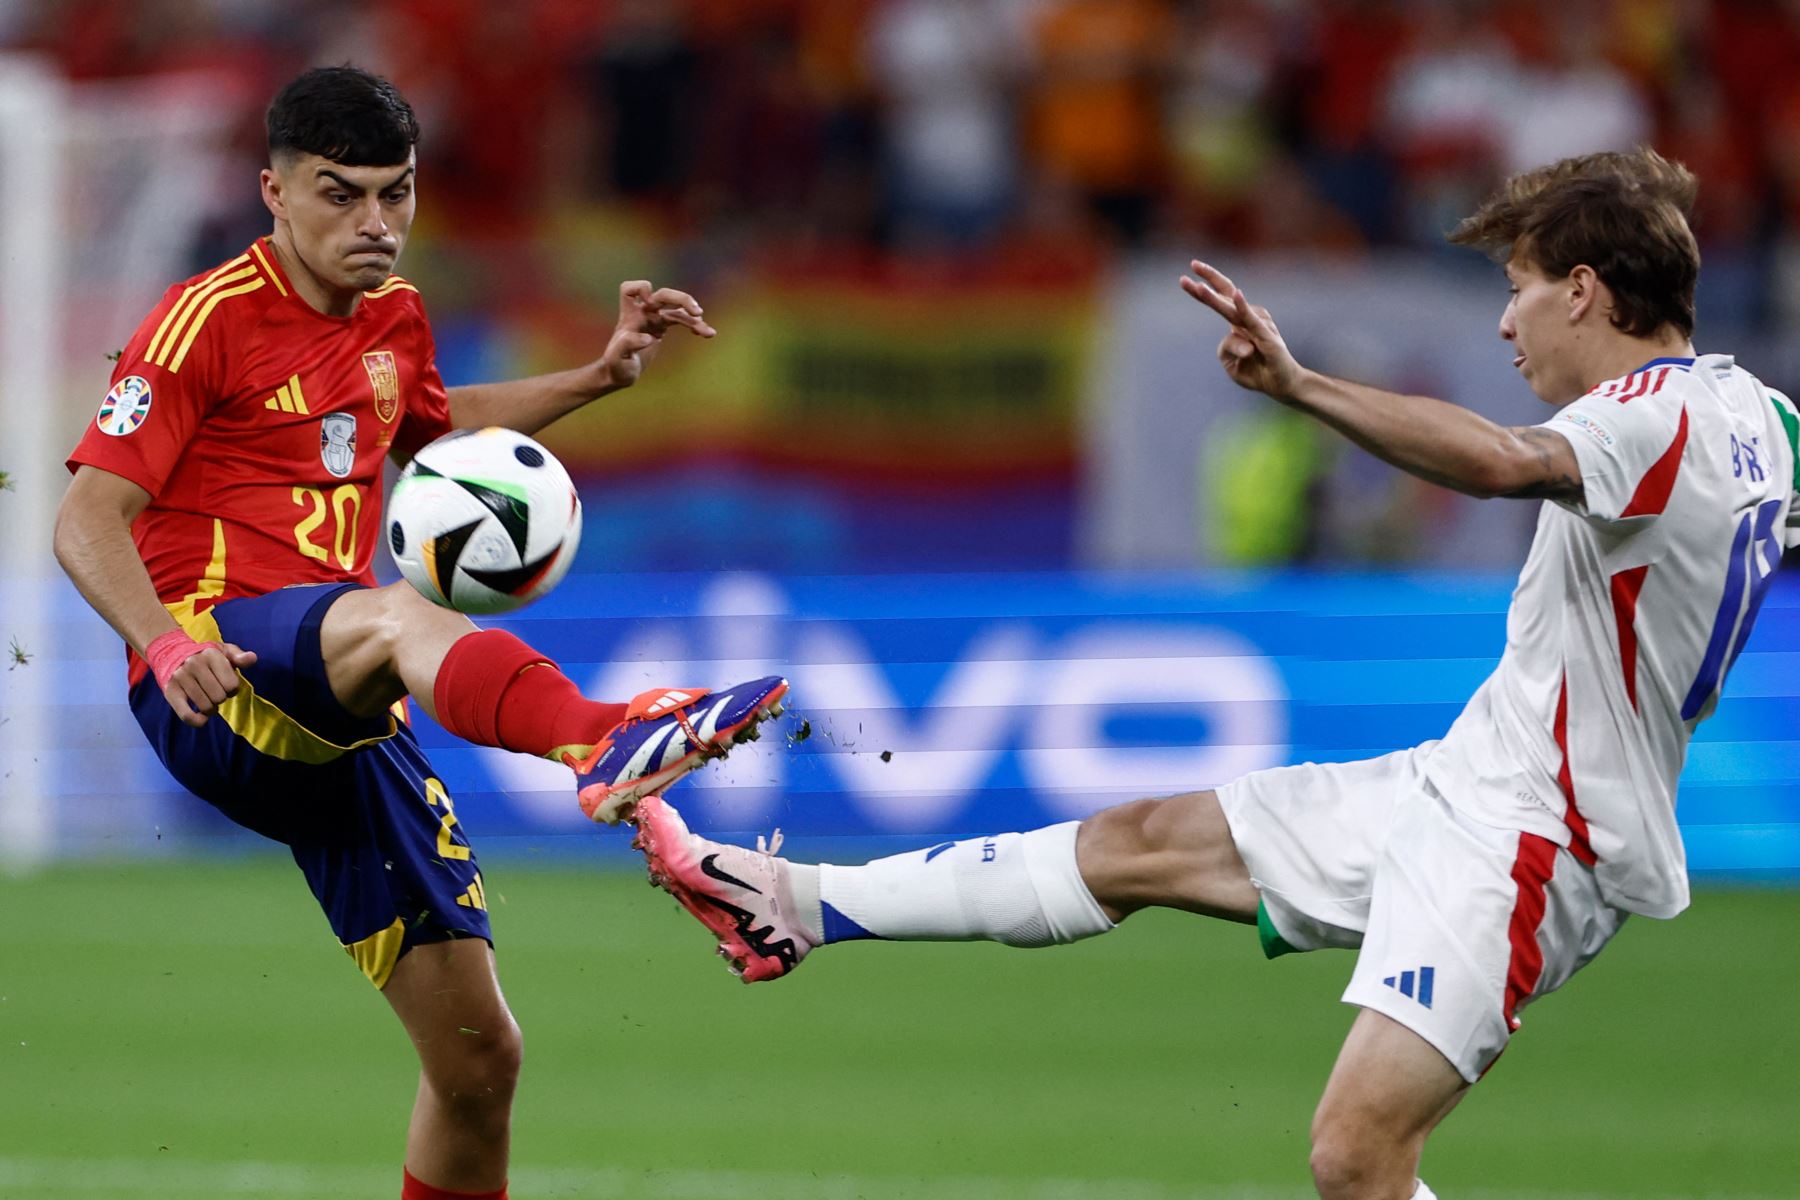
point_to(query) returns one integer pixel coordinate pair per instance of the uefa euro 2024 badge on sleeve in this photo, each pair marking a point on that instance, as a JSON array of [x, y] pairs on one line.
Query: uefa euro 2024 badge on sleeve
[[125, 406]]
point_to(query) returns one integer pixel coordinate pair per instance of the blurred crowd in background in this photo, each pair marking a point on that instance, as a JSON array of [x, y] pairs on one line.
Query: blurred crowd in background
[[1034, 128], [942, 234]]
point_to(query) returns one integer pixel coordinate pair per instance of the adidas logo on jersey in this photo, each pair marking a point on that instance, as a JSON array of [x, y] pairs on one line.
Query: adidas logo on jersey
[[288, 399], [1405, 982]]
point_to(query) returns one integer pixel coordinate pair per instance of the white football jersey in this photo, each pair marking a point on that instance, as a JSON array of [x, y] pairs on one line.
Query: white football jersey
[[1632, 606]]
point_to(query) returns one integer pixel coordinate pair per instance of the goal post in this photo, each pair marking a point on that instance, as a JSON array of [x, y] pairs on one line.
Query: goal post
[[32, 107], [104, 190]]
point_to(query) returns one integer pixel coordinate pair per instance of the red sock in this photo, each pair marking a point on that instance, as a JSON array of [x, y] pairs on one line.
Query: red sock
[[494, 690], [412, 1189]]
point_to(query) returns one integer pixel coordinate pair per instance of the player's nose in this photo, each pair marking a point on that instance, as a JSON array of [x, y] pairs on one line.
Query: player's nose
[[370, 220]]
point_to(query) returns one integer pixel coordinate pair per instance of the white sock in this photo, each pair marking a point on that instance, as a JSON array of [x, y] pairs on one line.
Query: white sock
[[1424, 1193], [1023, 889]]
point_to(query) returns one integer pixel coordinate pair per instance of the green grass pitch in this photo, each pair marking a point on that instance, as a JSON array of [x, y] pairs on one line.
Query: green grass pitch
[[192, 1029]]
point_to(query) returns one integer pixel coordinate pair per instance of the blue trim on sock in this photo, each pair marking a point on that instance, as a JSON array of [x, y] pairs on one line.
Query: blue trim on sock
[[839, 928], [937, 850]]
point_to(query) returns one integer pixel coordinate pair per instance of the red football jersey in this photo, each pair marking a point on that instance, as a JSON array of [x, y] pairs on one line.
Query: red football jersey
[[259, 425]]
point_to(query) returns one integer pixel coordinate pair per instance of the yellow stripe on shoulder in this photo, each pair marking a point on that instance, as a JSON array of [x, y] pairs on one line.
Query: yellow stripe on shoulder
[[179, 310], [263, 261], [200, 302], [212, 302], [394, 284]]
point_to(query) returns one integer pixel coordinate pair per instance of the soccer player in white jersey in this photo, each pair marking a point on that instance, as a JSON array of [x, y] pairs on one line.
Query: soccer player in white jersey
[[1478, 872]]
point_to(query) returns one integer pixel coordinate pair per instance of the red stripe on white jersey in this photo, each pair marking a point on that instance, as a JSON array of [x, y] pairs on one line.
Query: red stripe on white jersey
[[1629, 387], [1579, 845], [1532, 868], [1652, 494], [1645, 383], [1626, 586]]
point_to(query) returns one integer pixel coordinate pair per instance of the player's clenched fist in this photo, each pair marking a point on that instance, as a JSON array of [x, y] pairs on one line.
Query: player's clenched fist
[[1252, 350], [195, 677]]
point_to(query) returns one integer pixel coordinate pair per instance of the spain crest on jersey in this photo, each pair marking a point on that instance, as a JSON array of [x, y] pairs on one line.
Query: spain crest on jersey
[[385, 380]]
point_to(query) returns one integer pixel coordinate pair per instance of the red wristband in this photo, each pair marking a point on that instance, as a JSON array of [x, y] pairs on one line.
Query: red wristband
[[166, 653]]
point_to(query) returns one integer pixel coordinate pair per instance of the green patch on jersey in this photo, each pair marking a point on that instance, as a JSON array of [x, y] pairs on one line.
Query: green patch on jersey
[[1790, 421], [1273, 944]]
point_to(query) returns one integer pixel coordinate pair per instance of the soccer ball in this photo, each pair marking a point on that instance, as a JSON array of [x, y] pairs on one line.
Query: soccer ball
[[484, 521]]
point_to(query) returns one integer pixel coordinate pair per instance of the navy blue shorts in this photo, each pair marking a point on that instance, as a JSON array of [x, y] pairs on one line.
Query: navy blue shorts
[[354, 798]]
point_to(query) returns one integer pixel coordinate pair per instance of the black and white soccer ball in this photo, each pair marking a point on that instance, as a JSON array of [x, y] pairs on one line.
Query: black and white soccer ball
[[484, 521]]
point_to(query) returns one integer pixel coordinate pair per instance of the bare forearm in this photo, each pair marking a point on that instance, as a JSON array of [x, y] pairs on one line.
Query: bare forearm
[[96, 550], [526, 405], [1439, 442]]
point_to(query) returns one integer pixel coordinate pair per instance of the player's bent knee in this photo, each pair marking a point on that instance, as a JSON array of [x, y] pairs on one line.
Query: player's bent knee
[[377, 621], [1339, 1171], [360, 641], [1140, 828], [1173, 851], [1353, 1161], [1185, 822], [404, 601], [479, 1070]]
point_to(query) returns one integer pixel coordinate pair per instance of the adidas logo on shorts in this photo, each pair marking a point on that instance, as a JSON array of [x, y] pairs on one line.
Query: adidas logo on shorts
[[1404, 983]]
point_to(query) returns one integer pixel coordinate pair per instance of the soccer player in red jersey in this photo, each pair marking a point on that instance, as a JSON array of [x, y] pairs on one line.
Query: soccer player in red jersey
[[223, 518]]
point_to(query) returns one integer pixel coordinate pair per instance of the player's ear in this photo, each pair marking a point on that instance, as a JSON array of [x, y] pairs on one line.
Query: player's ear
[[272, 196], [1584, 291]]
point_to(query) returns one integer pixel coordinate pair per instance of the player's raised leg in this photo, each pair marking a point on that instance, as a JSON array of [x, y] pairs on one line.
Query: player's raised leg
[[1388, 1091], [1174, 852], [469, 1047], [491, 688], [1044, 887]]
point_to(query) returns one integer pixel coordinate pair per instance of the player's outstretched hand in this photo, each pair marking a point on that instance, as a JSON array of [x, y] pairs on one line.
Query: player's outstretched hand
[[205, 680], [1251, 351], [645, 314]]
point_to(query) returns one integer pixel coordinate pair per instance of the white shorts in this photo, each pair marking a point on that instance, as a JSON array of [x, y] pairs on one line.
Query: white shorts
[[1460, 924]]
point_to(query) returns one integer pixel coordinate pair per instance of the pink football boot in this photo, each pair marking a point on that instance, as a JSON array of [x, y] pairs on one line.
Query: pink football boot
[[738, 894]]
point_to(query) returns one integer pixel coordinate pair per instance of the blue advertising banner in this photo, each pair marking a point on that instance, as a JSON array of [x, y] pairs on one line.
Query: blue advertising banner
[[933, 705]]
